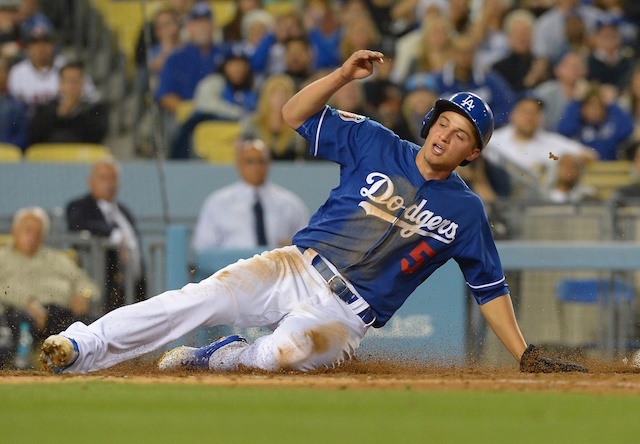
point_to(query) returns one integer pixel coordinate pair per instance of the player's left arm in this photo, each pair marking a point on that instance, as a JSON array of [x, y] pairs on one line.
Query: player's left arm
[[501, 318]]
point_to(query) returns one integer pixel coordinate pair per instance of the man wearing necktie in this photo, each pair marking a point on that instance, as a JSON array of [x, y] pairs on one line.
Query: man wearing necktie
[[251, 212], [100, 213]]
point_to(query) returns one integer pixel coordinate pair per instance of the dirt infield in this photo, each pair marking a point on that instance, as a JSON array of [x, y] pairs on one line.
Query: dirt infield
[[368, 375]]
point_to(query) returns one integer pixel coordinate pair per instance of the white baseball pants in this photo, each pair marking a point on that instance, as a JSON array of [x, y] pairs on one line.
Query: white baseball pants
[[278, 289]]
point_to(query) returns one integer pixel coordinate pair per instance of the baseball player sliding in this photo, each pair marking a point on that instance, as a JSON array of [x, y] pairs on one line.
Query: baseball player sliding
[[399, 212]]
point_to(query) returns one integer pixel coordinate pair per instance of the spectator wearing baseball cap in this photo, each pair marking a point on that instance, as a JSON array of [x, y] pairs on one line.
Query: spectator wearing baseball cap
[[609, 62], [187, 65], [35, 79]]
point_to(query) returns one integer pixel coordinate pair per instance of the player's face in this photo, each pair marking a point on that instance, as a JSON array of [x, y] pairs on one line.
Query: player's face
[[28, 235], [451, 139]]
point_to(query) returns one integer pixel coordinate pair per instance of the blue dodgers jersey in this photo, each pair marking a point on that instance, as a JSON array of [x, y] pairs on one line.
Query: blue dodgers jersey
[[385, 227]]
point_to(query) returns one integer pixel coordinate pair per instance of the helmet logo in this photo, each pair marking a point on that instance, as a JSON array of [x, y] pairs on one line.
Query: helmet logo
[[468, 103]]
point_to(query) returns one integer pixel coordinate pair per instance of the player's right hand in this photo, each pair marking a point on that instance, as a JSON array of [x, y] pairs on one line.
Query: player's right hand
[[360, 64]]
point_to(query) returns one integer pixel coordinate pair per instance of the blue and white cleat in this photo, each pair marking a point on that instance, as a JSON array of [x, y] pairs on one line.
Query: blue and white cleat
[[58, 353], [209, 357]]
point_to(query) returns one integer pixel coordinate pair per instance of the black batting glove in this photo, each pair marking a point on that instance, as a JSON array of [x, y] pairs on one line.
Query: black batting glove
[[532, 361]]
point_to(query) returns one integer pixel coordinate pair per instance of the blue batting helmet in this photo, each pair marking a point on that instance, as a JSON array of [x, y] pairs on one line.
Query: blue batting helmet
[[470, 106]]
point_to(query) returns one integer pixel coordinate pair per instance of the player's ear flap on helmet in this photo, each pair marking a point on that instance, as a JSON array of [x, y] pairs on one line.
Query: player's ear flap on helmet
[[470, 105]]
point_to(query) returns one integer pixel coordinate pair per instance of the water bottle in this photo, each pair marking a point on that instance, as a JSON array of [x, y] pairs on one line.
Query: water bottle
[[25, 347], [6, 338]]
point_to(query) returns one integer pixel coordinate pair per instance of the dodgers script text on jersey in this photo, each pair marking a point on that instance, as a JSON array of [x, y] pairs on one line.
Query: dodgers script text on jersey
[[384, 208]]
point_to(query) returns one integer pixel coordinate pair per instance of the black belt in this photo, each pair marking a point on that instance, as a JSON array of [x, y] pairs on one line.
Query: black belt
[[339, 287]]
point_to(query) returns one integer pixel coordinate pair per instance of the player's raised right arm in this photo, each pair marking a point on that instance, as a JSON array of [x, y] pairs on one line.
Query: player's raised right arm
[[312, 98]]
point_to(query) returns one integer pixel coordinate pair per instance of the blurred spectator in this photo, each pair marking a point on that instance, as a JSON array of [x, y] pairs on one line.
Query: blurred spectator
[[597, 121], [166, 29], [459, 75], [568, 83], [13, 113], [550, 32], [39, 285], [267, 123], [268, 57], [164, 32], [609, 62], [227, 94], [251, 212], [9, 29], [524, 148], [69, 118], [566, 185], [426, 49], [577, 37], [256, 25], [181, 8], [520, 68], [359, 33], [298, 60], [629, 99], [323, 22], [488, 31], [232, 31], [418, 101], [189, 64], [100, 213], [35, 80]]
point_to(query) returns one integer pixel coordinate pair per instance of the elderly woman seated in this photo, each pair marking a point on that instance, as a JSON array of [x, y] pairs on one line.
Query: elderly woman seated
[[40, 286]]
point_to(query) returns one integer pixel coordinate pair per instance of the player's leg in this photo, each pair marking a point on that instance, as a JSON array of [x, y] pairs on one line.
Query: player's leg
[[242, 294], [319, 330]]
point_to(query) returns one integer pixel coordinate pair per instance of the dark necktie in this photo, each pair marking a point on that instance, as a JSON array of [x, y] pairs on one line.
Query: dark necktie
[[259, 216]]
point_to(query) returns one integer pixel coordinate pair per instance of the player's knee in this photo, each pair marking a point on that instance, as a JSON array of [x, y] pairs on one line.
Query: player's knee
[[312, 348], [291, 354]]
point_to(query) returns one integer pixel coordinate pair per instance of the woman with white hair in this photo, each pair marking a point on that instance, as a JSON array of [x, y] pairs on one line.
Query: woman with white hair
[[40, 285]]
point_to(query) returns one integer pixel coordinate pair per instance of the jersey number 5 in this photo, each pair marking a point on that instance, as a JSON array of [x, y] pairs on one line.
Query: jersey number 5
[[418, 256]]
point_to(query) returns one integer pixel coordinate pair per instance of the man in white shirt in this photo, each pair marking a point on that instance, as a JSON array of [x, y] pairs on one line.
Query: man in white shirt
[[35, 79], [524, 148], [230, 216]]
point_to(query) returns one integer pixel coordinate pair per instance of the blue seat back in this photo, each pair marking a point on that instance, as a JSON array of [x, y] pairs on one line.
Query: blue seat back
[[593, 291]]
